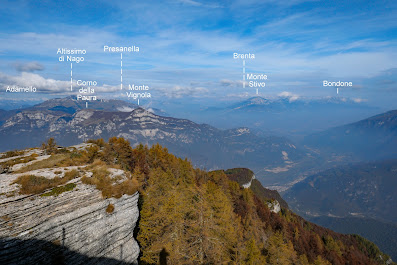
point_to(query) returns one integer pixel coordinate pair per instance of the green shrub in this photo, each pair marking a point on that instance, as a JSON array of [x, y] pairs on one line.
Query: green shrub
[[58, 190]]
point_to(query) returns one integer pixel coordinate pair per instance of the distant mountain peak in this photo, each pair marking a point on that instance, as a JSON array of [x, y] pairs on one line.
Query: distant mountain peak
[[251, 102], [142, 112], [257, 101], [70, 105], [240, 131]]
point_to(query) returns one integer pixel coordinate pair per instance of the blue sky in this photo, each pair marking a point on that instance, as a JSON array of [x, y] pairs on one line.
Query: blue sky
[[186, 48]]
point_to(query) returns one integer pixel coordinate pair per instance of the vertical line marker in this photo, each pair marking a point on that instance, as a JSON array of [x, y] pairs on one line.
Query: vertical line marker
[[121, 70], [71, 76]]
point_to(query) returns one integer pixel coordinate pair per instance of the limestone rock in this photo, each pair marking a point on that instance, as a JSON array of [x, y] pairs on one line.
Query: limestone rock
[[71, 228], [274, 206]]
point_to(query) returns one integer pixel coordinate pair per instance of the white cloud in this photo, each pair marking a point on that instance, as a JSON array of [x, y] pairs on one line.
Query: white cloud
[[26, 79], [291, 96], [232, 83], [46, 85]]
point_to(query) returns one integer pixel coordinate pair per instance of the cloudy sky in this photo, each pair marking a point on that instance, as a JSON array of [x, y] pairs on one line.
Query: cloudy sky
[[187, 46]]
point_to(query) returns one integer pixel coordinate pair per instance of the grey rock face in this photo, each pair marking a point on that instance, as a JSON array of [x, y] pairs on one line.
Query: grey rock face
[[72, 228]]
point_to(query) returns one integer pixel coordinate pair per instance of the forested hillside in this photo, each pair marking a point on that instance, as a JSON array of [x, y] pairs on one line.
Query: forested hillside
[[191, 216]]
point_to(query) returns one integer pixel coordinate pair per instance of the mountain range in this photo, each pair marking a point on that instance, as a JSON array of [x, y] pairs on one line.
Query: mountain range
[[369, 139], [357, 193], [290, 103], [69, 122], [364, 189], [70, 105], [292, 117]]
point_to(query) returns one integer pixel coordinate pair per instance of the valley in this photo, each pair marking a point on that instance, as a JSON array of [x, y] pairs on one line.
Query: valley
[[208, 147], [46, 221], [316, 182]]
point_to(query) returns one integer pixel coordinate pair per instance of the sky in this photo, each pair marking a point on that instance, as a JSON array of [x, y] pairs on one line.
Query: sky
[[186, 49]]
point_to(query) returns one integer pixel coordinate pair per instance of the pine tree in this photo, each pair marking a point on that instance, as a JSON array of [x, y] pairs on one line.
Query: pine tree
[[280, 252], [252, 253]]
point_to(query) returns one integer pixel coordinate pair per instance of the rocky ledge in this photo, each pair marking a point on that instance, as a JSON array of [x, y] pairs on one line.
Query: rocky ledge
[[75, 227]]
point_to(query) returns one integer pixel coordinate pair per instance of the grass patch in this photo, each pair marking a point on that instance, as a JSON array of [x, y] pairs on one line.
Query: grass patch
[[12, 153], [74, 173], [58, 190], [31, 184], [129, 187], [52, 161], [58, 160], [101, 179], [107, 185], [9, 163]]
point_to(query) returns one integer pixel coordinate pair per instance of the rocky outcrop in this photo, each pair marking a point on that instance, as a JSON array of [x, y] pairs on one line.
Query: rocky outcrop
[[274, 206], [248, 184], [246, 178], [74, 227]]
